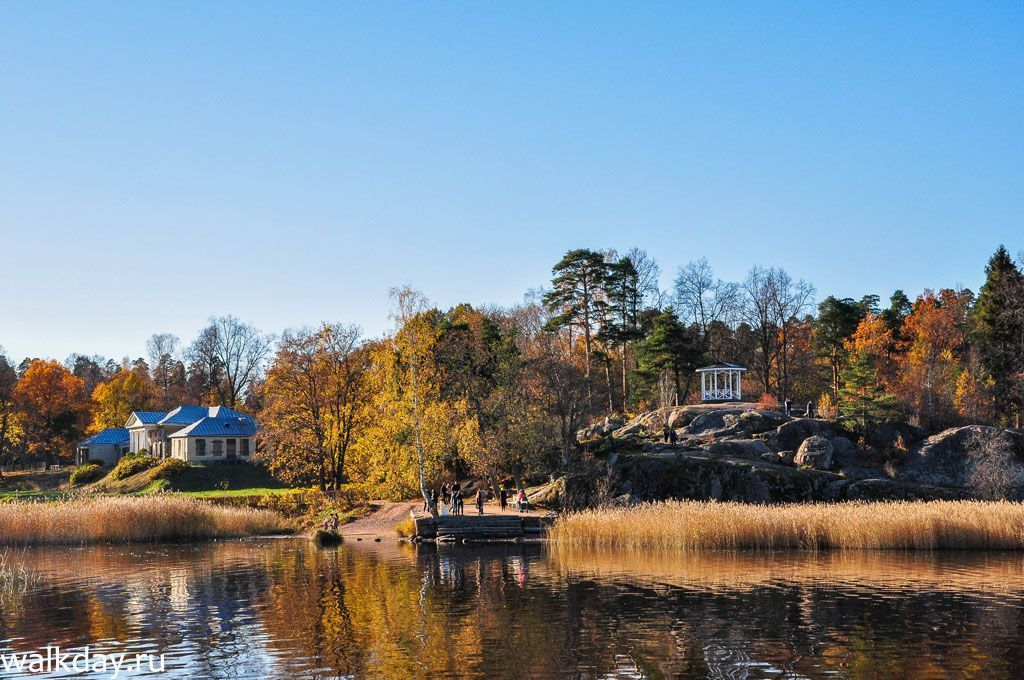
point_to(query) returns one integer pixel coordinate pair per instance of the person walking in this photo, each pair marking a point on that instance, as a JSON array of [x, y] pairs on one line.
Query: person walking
[[480, 500], [503, 498], [456, 499]]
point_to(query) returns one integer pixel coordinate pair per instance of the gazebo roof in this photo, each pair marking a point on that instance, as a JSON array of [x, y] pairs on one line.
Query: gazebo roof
[[721, 366]]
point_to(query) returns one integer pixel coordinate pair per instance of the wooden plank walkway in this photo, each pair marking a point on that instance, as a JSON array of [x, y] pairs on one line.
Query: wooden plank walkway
[[481, 527]]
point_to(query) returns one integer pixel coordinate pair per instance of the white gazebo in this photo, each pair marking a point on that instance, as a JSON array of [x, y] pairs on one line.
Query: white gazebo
[[721, 381]]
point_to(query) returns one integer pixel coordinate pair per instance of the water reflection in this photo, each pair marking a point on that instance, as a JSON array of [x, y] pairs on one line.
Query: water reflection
[[281, 608]]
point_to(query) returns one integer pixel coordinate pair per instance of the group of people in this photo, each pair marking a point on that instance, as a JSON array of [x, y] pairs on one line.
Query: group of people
[[331, 522], [451, 500]]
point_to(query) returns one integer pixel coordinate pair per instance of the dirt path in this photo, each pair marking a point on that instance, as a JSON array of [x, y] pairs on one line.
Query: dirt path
[[382, 521]]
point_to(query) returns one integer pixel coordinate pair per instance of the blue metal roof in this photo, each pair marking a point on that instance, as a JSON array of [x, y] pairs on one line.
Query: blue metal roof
[[185, 415], [112, 435], [149, 417], [223, 427]]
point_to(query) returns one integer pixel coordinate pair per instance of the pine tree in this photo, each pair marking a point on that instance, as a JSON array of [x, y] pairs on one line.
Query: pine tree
[[997, 322], [577, 298], [837, 321], [625, 304], [863, 395], [670, 348]]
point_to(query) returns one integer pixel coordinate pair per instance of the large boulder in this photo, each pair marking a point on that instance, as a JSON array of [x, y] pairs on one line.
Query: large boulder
[[713, 422], [791, 434], [815, 452], [844, 453], [599, 430], [681, 416], [756, 422], [631, 430], [750, 449], [880, 489], [987, 461], [734, 422], [892, 435]]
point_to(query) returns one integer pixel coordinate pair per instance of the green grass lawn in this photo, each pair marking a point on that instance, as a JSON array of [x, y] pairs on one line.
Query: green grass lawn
[[240, 493], [30, 495]]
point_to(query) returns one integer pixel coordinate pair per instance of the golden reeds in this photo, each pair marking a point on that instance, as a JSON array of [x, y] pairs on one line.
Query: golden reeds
[[129, 519], [695, 525]]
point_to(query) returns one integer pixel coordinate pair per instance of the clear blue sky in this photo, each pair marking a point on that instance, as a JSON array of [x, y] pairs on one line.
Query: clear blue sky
[[288, 162]]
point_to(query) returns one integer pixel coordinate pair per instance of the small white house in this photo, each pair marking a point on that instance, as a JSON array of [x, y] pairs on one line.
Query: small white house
[[105, 447], [721, 381], [196, 434], [213, 440]]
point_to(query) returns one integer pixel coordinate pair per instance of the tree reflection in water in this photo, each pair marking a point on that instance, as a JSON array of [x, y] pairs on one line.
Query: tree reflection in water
[[282, 608]]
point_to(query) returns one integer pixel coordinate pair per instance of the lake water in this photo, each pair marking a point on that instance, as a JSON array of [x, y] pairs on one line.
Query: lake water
[[282, 608]]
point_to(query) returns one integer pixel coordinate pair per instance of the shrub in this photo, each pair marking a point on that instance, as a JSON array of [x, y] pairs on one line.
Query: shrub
[[827, 406], [326, 538], [169, 468], [131, 464], [406, 528], [768, 402], [85, 473]]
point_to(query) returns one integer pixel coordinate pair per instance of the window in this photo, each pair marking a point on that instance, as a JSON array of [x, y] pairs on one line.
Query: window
[[200, 447], [245, 447], [218, 447]]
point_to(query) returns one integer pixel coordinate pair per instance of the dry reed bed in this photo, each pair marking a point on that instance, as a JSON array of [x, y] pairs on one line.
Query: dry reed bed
[[695, 525], [128, 519]]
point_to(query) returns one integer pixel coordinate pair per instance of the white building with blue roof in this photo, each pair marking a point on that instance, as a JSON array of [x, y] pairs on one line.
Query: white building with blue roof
[[195, 434], [104, 447]]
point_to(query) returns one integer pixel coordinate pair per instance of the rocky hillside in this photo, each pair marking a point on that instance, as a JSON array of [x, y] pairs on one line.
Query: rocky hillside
[[737, 452]]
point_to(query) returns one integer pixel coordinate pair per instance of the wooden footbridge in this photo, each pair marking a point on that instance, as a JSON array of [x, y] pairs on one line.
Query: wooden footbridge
[[481, 528]]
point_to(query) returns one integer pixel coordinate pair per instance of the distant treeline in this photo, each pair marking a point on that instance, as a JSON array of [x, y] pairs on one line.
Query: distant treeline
[[500, 392]]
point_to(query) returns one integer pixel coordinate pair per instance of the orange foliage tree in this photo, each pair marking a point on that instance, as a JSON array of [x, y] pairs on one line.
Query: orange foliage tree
[[55, 408], [930, 368]]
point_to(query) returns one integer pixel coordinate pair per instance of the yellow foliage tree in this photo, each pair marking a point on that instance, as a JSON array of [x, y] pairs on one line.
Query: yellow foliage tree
[[115, 399], [316, 404]]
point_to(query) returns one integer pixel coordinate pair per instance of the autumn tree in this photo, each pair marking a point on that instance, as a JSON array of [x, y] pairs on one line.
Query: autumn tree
[[8, 414], [317, 398], [483, 369], [577, 298], [414, 340], [875, 336], [228, 355], [55, 408], [929, 369], [116, 399]]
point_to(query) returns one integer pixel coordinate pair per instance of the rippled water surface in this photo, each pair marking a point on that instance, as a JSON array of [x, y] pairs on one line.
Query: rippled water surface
[[282, 608]]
